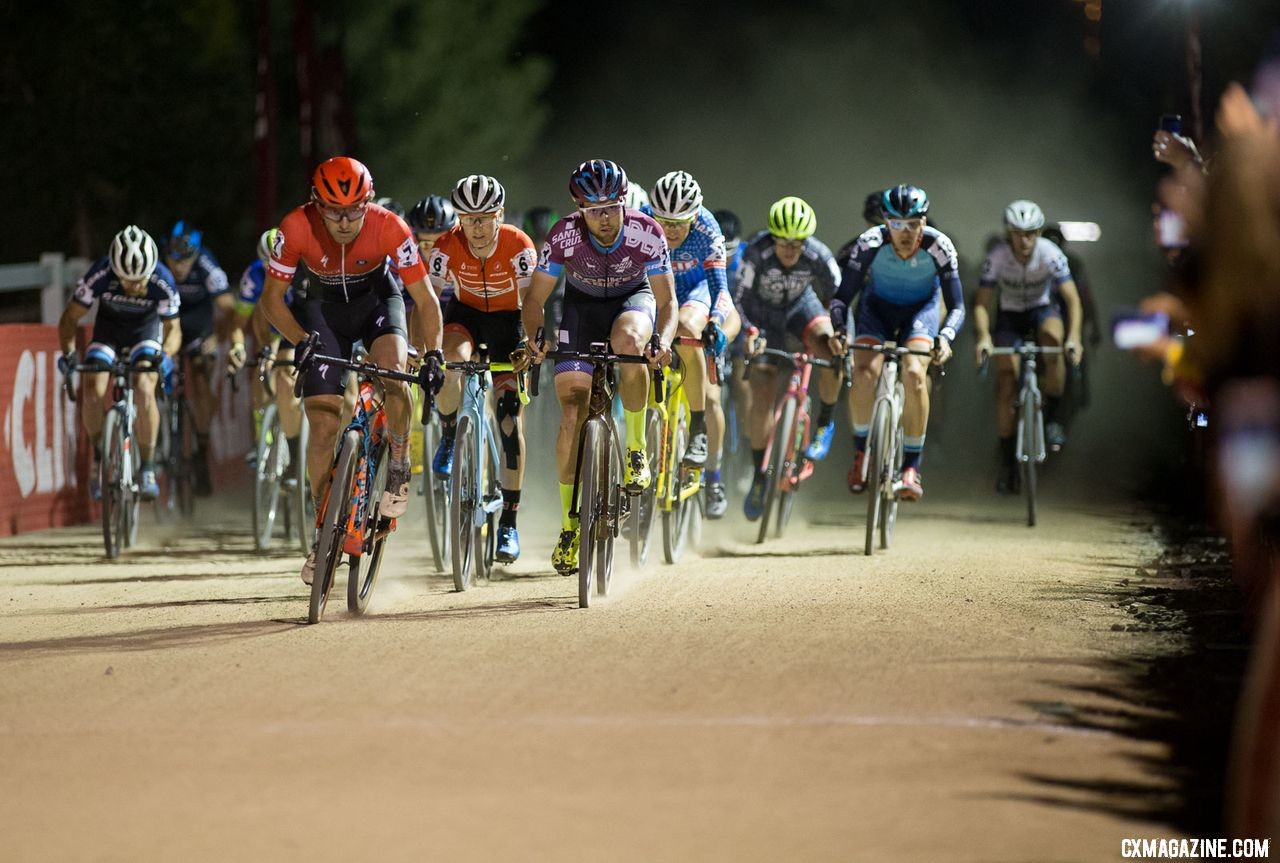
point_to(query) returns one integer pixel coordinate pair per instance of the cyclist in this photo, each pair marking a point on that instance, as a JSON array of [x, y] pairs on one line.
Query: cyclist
[[1026, 271], [904, 270], [783, 271], [486, 266], [618, 288], [206, 294], [138, 308], [716, 503], [248, 313], [872, 215], [637, 197], [697, 262], [348, 243]]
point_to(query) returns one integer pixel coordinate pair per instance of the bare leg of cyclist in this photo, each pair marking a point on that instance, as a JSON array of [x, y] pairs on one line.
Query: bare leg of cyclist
[[390, 351], [1055, 381], [148, 427], [693, 320], [630, 335], [764, 392]]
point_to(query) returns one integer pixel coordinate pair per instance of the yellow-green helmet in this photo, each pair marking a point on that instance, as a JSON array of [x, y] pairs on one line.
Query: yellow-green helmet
[[792, 219]]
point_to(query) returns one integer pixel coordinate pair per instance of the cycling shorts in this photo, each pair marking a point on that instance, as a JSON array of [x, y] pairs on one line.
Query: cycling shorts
[[785, 327], [586, 319], [1013, 328], [340, 325], [113, 338], [197, 326], [877, 321], [500, 331], [696, 295]]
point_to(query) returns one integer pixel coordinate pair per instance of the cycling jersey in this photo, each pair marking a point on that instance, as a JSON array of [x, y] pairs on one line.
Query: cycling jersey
[[124, 321], [495, 284], [639, 253], [345, 272], [700, 260], [203, 282], [875, 269], [764, 282], [1025, 286]]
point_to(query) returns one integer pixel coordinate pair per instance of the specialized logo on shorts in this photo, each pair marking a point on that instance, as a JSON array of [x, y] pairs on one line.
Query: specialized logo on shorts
[[382, 319], [324, 370]]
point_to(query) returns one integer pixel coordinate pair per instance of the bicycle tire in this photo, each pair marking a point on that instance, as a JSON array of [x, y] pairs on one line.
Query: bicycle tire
[[646, 503], [164, 506], [109, 483], [674, 522], [303, 504], [435, 498], [181, 462], [773, 474], [876, 479], [1031, 445], [462, 503], [791, 469], [333, 527], [590, 505], [486, 538], [889, 507], [613, 498], [363, 568], [267, 469]]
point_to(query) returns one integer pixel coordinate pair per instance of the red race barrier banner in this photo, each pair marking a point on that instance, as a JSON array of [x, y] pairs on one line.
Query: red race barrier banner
[[44, 453]]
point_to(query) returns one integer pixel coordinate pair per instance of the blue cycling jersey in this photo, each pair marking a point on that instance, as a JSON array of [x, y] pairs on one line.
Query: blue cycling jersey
[[700, 258], [875, 269]]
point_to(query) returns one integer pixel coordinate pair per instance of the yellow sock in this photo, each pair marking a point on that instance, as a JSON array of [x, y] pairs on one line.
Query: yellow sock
[[635, 429], [566, 503]]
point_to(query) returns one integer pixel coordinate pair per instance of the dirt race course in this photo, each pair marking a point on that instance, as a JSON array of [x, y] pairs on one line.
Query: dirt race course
[[956, 698]]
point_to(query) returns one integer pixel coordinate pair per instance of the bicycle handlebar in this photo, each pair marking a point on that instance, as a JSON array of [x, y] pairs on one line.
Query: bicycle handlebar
[[595, 358], [371, 369], [119, 367], [1021, 350], [795, 358], [896, 350]]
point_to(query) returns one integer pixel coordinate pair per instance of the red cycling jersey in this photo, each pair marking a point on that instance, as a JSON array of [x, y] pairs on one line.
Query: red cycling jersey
[[303, 237], [495, 284]]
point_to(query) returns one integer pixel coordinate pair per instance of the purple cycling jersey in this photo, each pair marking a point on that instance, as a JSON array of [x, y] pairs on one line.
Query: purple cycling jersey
[[639, 252]]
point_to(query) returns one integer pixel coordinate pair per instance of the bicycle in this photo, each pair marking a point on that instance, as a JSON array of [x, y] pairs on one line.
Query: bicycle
[[675, 487], [883, 465], [475, 493], [1030, 448], [117, 470], [784, 464], [352, 523], [599, 503], [272, 469]]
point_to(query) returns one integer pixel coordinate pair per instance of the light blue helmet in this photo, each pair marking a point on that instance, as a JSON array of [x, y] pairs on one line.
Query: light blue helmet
[[904, 202]]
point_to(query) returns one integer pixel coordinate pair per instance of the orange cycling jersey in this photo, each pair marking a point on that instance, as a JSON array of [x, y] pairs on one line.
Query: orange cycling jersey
[[494, 284], [302, 237]]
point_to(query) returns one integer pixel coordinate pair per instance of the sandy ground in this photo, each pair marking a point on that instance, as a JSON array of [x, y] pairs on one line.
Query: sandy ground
[[956, 698]]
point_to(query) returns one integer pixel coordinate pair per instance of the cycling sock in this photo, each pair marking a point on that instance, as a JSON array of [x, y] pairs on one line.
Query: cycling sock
[[698, 422], [1008, 450], [510, 503], [399, 446], [757, 456], [860, 437], [635, 429], [202, 443], [566, 503], [448, 425], [1051, 409], [824, 413], [712, 476], [912, 450], [148, 465]]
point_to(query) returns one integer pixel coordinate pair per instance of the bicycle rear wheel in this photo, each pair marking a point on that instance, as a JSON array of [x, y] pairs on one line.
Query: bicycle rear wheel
[[463, 487], [303, 506], [778, 458], [675, 523], [607, 528], [1032, 445], [877, 474], [111, 482], [791, 473], [363, 568], [268, 468], [593, 503], [333, 528], [646, 503], [435, 495]]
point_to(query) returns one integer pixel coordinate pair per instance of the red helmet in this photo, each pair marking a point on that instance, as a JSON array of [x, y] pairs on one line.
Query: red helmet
[[342, 182]]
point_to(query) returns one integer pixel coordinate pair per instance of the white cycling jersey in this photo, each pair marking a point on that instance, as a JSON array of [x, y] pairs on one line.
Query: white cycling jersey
[[1025, 286]]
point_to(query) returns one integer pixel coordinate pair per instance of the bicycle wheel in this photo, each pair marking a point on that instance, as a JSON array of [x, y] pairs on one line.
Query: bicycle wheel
[[592, 503], [1031, 446], [271, 454], [877, 474], [464, 485], [778, 459], [303, 506], [435, 496], [486, 538], [646, 503], [363, 568], [794, 452], [675, 524], [165, 508], [889, 505], [607, 526], [333, 528], [111, 481]]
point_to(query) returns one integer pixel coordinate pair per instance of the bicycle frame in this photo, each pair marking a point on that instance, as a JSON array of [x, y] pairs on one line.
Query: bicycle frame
[[1030, 449]]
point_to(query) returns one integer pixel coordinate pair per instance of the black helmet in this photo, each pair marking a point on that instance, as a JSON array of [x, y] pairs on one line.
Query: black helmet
[[538, 221], [390, 204], [871, 208], [433, 213], [730, 224]]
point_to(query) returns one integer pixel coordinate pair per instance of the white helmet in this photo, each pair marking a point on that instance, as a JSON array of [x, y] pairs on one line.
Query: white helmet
[[636, 197], [133, 255], [478, 194], [676, 196], [1024, 216]]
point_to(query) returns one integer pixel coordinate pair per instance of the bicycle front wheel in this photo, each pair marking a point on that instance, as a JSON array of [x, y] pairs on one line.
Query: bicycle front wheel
[[333, 527], [775, 475], [878, 475], [363, 568], [790, 472], [1032, 445], [271, 454], [111, 481], [592, 506], [303, 505], [435, 495], [464, 489], [675, 524]]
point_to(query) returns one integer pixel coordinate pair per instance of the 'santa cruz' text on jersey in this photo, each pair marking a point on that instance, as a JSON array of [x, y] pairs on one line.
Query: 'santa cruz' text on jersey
[[639, 253]]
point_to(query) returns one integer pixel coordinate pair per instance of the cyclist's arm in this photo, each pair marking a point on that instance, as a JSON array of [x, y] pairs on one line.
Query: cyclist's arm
[[68, 323], [953, 296], [224, 306], [664, 292], [260, 327], [426, 314], [981, 313], [531, 313], [172, 336], [277, 310], [1075, 317]]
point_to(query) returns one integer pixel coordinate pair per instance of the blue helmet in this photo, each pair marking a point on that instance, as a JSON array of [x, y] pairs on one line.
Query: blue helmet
[[904, 202], [598, 181], [184, 242]]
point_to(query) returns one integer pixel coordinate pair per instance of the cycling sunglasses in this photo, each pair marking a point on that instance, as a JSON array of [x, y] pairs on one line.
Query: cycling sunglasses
[[902, 224]]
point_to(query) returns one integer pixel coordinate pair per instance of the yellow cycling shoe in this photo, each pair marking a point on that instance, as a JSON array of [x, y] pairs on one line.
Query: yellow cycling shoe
[[565, 556], [636, 478]]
